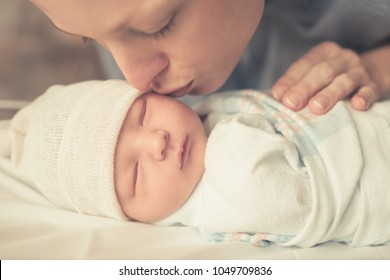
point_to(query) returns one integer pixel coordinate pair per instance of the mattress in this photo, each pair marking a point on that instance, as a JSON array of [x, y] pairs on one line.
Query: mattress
[[33, 228]]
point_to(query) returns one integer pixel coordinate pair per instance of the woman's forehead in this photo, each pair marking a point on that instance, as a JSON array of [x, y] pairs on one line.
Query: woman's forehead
[[84, 17], [91, 7]]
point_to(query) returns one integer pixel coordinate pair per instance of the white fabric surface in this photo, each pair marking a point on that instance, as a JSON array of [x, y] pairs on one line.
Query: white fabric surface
[[245, 187], [301, 178], [67, 151], [32, 228]]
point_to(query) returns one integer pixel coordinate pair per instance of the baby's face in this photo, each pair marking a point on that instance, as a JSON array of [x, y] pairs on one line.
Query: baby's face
[[159, 157]]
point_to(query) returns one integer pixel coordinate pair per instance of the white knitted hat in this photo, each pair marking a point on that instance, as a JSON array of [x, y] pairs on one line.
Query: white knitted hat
[[65, 141]]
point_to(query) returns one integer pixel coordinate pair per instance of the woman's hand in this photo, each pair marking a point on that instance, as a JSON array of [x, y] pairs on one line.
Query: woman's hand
[[326, 74]]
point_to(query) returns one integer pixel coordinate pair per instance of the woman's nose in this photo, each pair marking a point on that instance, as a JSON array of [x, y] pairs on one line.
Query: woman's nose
[[156, 144], [139, 65]]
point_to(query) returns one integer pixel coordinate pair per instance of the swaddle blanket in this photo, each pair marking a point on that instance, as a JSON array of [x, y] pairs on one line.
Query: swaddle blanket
[[327, 176]]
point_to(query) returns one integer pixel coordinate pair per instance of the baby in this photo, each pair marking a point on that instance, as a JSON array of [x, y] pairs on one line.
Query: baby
[[266, 173], [102, 148], [159, 157]]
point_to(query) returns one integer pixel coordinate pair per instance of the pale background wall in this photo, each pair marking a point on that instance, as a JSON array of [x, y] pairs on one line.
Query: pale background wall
[[34, 55]]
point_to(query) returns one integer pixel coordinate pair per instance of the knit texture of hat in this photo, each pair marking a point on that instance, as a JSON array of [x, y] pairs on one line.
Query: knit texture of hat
[[65, 142]]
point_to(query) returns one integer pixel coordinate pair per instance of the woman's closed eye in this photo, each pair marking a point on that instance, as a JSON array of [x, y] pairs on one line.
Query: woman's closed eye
[[167, 27]]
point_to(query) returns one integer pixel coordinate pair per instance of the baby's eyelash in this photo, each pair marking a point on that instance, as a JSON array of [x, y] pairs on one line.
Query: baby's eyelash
[[142, 115], [135, 173]]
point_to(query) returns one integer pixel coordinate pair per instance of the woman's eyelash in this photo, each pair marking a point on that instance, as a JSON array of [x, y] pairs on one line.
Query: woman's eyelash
[[165, 29]]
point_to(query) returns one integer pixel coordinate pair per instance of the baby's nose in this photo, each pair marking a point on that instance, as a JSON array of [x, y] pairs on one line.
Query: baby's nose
[[158, 141]]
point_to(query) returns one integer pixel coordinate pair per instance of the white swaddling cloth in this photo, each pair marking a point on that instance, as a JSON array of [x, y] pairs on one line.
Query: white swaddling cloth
[[64, 143], [293, 178]]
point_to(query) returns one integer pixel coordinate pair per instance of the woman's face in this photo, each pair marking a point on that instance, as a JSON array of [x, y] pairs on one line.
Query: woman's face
[[168, 46]]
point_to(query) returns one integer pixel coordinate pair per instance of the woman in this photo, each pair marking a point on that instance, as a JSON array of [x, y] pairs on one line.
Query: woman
[[181, 47]]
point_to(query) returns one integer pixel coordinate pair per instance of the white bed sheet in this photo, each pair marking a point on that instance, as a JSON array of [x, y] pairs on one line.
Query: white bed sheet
[[33, 228]]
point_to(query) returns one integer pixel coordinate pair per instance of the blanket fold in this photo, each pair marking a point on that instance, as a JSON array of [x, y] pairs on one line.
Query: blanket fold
[[347, 183]]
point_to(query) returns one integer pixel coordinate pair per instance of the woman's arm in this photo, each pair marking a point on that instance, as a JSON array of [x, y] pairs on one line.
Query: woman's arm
[[329, 73]]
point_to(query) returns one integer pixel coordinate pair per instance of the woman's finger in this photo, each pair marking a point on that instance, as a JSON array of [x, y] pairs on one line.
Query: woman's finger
[[364, 97], [320, 76], [293, 74], [338, 89], [302, 66]]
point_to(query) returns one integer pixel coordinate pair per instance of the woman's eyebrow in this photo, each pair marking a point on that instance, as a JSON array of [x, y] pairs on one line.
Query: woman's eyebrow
[[118, 28]]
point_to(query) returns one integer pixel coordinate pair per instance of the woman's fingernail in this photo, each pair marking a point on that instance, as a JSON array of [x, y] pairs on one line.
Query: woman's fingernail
[[293, 101], [320, 103], [361, 101], [278, 92]]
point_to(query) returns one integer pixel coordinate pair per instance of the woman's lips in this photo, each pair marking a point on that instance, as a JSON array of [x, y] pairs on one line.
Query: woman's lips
[[182, 91], [184, 152]]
